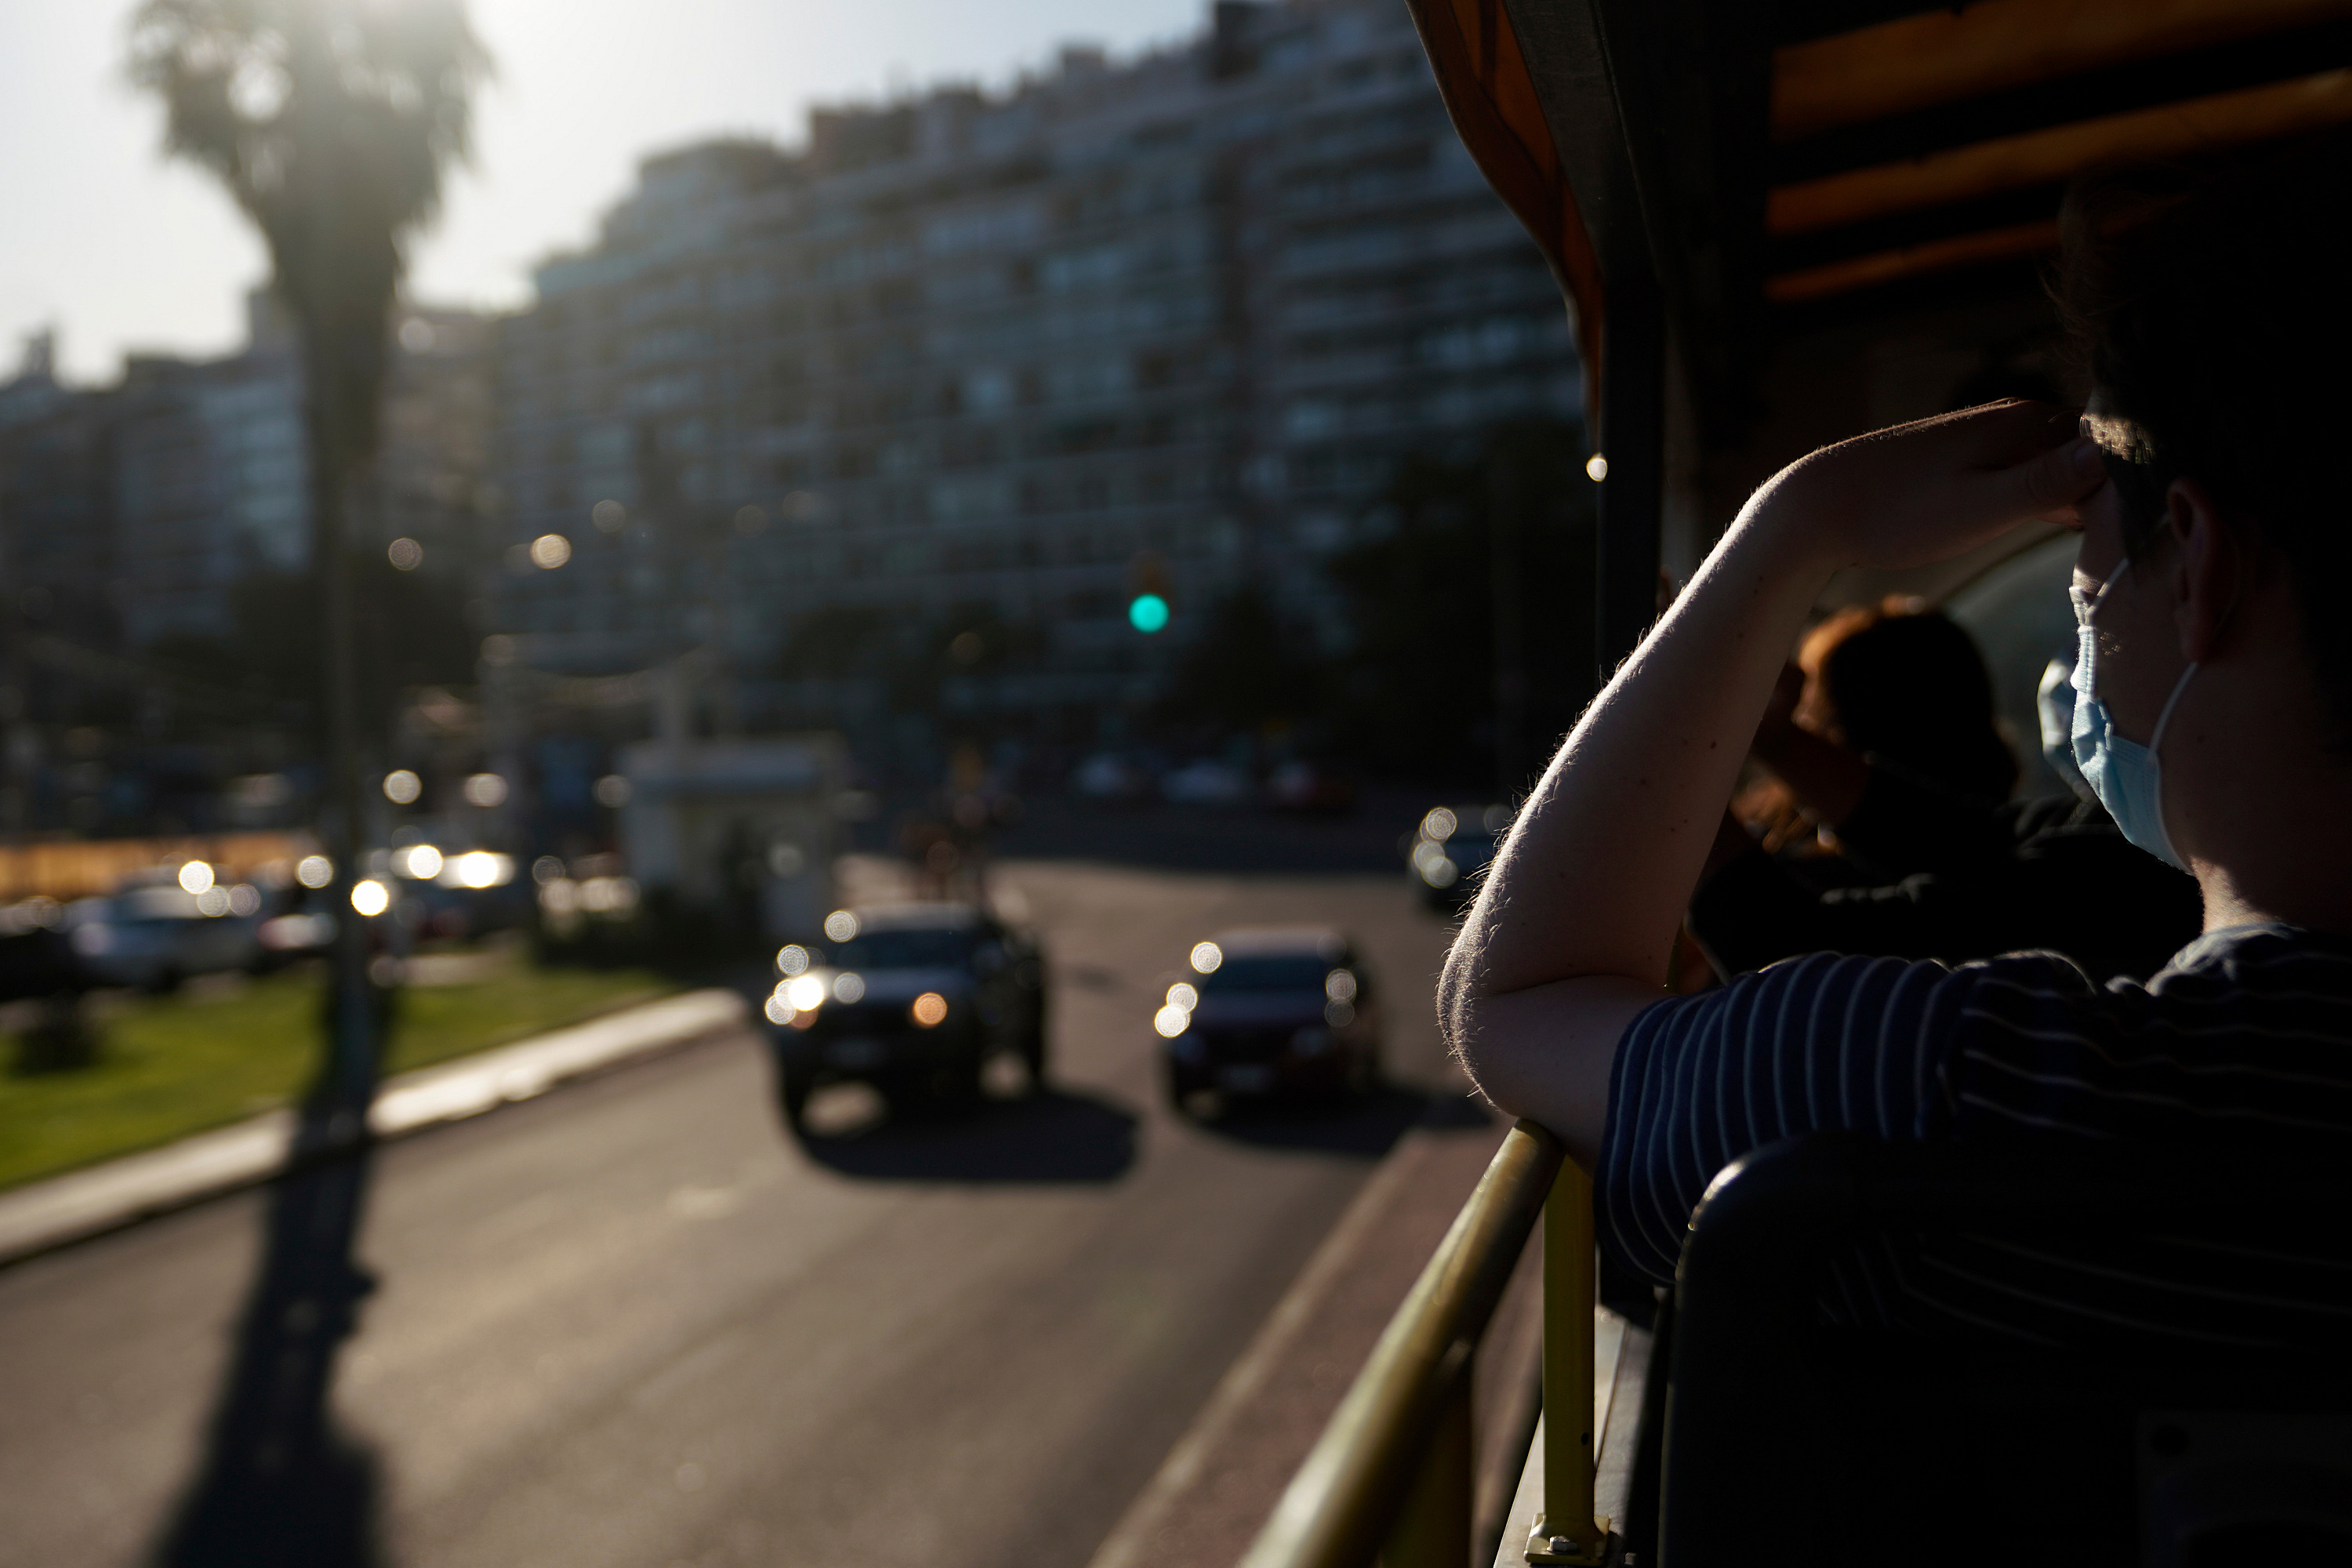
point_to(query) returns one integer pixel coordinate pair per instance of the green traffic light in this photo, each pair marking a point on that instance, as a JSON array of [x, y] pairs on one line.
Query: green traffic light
[[1147, 613]]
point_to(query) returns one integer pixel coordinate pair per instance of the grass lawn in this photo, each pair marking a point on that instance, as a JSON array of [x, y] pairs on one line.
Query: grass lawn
[[175, 1065]]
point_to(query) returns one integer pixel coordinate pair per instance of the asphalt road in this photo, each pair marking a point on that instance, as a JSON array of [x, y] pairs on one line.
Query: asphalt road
[[633, 1323]]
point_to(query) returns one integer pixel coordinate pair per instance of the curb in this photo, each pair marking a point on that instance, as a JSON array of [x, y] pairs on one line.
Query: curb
[[79, 1205]]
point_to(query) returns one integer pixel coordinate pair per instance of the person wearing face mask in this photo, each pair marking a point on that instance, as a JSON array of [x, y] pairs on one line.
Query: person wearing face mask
[[2212, 717]]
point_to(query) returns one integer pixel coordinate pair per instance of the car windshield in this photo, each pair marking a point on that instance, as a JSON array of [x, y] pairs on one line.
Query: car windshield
[[904, 949], [1278, 971]]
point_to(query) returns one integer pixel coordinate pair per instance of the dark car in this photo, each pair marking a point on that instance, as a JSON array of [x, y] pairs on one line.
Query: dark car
[[911, 998], [1271, 1012], [1310, 789], [1452, 847]]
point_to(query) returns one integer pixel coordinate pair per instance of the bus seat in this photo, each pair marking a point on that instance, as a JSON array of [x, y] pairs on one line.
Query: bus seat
[[1786, 1439]]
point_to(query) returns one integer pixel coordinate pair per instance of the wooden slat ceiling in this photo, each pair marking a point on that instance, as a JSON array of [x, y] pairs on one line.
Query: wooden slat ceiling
[[1770, 162], [1942, 140]]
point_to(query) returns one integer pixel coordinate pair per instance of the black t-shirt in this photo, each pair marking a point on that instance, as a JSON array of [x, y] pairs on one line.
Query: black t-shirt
[[1928, 875]]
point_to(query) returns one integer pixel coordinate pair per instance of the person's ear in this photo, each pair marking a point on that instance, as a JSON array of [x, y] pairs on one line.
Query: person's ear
[[2210, 569]]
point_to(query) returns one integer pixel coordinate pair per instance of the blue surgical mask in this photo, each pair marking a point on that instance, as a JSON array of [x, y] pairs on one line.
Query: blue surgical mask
[[2127, 777], [2053, 706]]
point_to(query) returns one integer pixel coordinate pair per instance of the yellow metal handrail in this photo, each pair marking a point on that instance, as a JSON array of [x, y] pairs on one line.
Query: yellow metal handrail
[[1390, 1477]]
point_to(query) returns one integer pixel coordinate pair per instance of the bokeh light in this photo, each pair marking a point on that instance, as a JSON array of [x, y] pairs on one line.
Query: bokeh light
[[1596, 468], [421, 862], [1439, 825], [1147, 613], [486, 790], [550, 551], [929, 1010], [1181, 994], [840, 925], [807, 992], [482, 869], [612, 790], [849, 988], [1172, 1021], [244, 899], [792, 959], [405, 554], [402, 787], [196, 876], [1206, 956], [609, 516], [370, 897], [1339, 985], [213, 901], [314, 870]]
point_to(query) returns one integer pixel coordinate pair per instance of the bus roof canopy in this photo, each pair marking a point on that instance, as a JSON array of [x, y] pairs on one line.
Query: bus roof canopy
[[1758, 159]]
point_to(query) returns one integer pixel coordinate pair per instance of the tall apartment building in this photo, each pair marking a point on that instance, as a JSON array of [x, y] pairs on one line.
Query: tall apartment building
[[129, 513], [996, 363], [145, 502]]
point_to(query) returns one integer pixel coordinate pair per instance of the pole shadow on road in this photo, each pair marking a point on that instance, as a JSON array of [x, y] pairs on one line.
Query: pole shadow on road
[[1052, 1135], [281, 1484]]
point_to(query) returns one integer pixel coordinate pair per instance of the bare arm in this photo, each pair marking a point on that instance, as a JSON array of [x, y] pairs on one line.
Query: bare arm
[[1570, 935]]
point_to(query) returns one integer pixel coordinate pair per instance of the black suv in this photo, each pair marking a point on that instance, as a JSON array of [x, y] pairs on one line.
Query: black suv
[[912, 998], [1270, 1011]]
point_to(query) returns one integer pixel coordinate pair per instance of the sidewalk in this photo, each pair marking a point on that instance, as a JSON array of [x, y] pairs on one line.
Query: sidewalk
[[81, 1204]]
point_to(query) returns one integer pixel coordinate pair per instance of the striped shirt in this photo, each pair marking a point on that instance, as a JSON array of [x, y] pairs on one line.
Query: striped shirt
[[2242, 1043]]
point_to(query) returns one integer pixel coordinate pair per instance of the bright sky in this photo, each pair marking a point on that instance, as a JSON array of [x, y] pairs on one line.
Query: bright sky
[[117, 249]]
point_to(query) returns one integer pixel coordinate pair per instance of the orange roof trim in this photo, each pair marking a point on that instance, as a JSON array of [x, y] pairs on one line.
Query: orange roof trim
[[1491, 97]]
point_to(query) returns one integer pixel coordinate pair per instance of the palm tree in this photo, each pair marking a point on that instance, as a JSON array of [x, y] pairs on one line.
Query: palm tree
[[331, 123]]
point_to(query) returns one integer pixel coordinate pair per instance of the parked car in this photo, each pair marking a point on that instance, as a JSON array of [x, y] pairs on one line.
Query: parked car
[[912, 998], [1276, 1011], [1314, 789], [1205, 781], [302, 927], [154, 938], [1110, 777], [460, 893], [1450, 849]]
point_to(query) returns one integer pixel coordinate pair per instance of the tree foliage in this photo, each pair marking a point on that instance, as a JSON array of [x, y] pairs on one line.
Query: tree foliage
[[1251, 670], [409, 630], [1418, 686], [331, 124]]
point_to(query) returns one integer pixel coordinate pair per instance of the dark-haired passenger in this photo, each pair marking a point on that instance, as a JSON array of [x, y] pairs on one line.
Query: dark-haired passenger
[[2214, 720], [1885, 826]]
